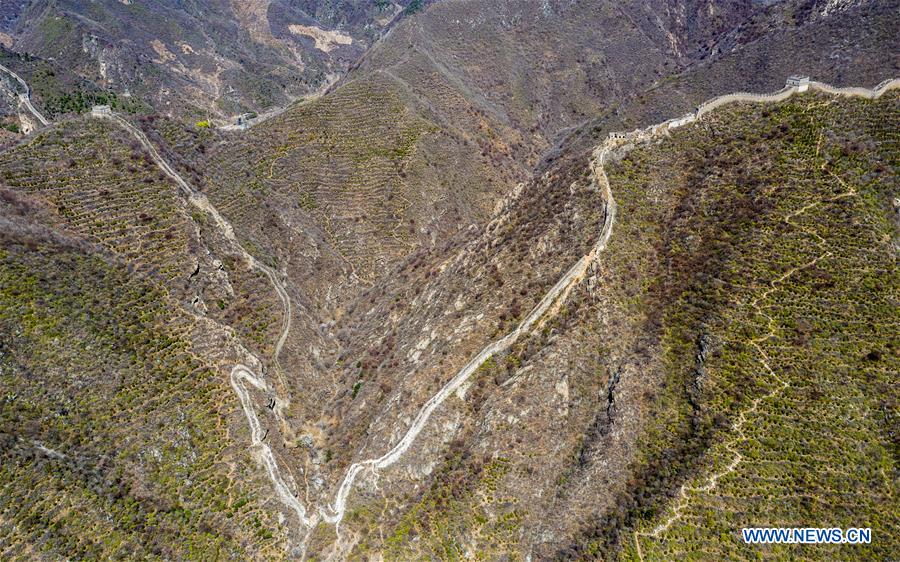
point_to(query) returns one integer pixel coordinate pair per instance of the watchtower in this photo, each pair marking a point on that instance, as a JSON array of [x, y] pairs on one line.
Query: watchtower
[[799, 82]]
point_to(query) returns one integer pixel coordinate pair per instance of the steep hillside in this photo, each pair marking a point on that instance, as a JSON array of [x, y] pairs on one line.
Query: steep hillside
[[127, 307], [56, 90], [852, 43], [481, 93], [733, 312], [780, 364], [114, 432], [635, 357], [538, 68], [441, 119], [436, 312], [103, 186], [371, 176], [198, 58]]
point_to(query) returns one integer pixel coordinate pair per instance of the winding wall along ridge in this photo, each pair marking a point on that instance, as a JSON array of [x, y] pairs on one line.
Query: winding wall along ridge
[[26, 97], [241, 375]]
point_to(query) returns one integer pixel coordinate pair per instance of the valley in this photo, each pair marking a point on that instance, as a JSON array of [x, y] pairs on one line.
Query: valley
[[548, 305], [496, 281]]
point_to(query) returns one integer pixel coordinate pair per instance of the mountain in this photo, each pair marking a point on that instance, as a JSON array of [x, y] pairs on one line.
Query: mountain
[[202, 57], [647, 371], [413, 145], [114, 417], [438, 311], [844, 44]]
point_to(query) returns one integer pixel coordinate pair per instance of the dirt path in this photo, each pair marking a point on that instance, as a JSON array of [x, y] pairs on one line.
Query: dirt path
[[712, 480], [556, 294], [276, 111], [241, 375]]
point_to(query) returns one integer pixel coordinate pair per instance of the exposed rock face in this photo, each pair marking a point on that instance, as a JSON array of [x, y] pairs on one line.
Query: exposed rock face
[[205, 332], [223, 58]]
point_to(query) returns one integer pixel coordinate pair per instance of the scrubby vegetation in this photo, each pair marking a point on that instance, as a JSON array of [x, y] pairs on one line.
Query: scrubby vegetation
[[193, 59], [461, 507], [59, 91], [350, 162], [770, 288], [728, 240], [111, 444], [727, 360], [81, 101], [106, 188]]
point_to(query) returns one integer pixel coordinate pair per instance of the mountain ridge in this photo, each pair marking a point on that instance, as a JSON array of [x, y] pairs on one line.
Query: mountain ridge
[[432, 377]]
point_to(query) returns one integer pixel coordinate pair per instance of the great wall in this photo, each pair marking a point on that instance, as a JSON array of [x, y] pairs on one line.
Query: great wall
[[25, 99], [795, 84], [242, 375]]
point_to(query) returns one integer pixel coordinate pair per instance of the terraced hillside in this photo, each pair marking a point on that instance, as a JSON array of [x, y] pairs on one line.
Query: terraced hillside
[[115, 437], [128, 307], [480, 93], [102, 185], [70, 165], [423, 137], [359, 170], [769, 290], [648, 374], [370, 327], [789, 325], [94, 182], [741, 311]]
